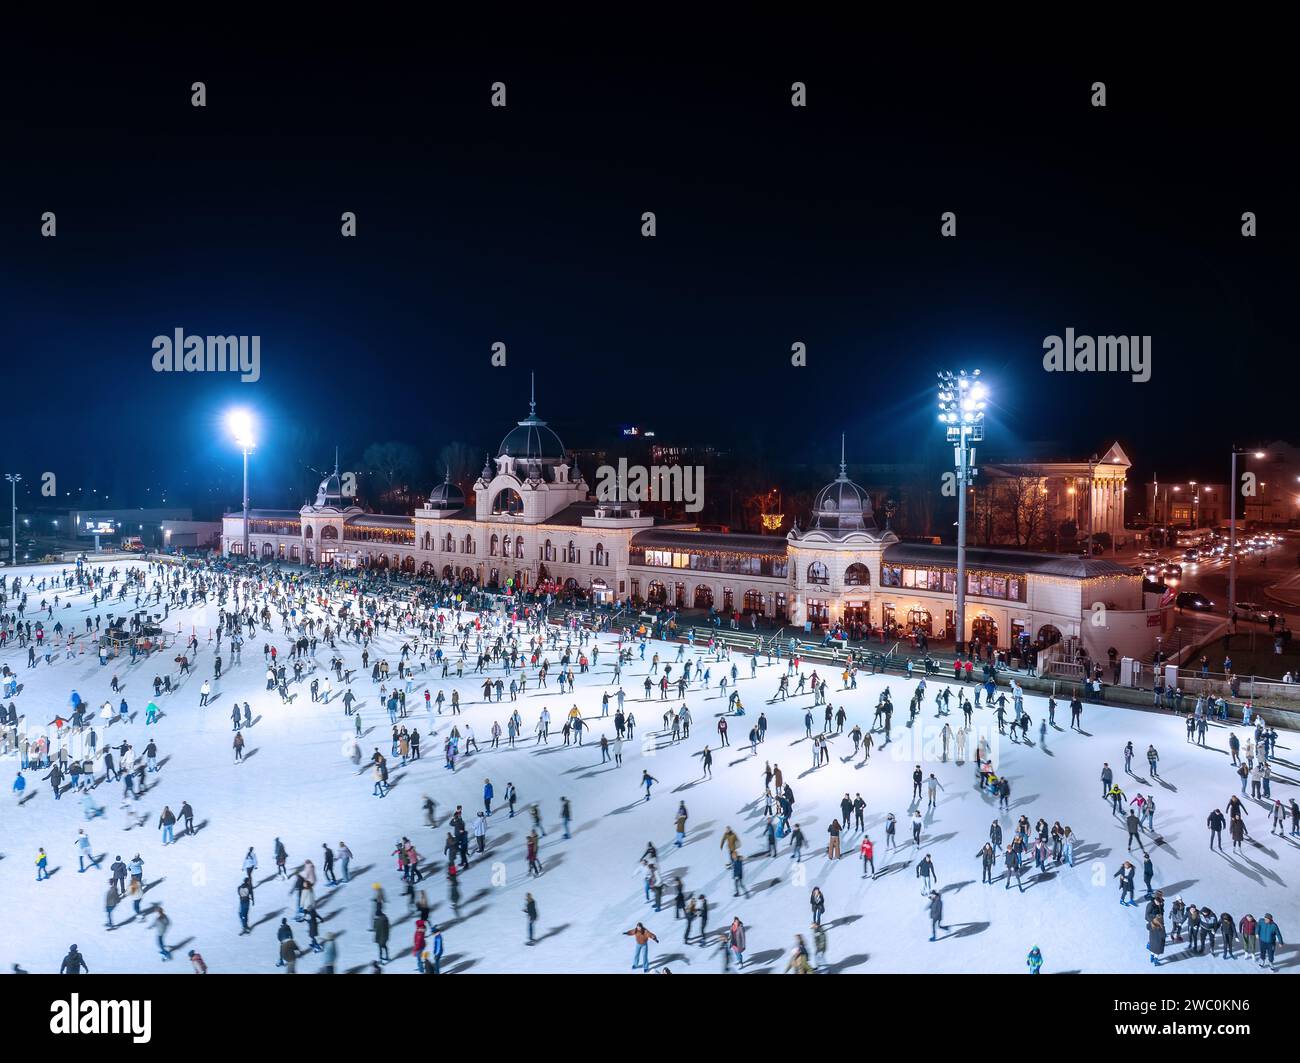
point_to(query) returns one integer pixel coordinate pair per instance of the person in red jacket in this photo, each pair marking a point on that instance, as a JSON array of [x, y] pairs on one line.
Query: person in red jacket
[[868, 857], [417, 946], [197, 960]]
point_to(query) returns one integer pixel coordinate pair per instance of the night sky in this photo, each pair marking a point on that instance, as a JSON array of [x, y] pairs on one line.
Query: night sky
[[522, 225]]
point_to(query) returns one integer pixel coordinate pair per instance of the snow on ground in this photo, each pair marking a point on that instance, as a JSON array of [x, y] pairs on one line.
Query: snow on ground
[[297, 783]]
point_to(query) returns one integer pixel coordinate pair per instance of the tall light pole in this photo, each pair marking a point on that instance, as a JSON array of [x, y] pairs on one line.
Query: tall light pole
[[13, 479], [961, 411], [241, 427], [1092, 497], [1233, 487]]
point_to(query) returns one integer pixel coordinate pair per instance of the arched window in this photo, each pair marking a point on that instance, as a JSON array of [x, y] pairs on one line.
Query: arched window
[[570, 584], [448, 544], [467, 575], [469, 544], [601, 558], [818, 573], [507, 501], [548, 551], [447, 572], [703, 596], [293, 553], [519, 547], [426, 569], [572, 553], [857, 575], [656, 593], [492, 546], [329, 532], [505, 546], [267, 550], [306, 534]]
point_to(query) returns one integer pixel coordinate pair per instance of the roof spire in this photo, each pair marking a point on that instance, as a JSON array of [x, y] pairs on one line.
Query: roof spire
[[336, 459], [532, 394], [843, 473]]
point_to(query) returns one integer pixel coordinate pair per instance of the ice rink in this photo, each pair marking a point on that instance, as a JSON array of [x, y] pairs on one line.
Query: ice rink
[[296, 782]]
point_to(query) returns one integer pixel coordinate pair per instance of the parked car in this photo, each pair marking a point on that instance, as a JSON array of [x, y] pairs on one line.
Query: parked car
[[1193, 600]]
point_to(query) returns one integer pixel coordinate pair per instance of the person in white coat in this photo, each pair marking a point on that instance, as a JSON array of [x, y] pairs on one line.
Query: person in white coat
[[480, 830]]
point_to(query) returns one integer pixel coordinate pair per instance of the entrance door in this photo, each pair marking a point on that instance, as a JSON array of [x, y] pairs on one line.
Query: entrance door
[[985, 628]]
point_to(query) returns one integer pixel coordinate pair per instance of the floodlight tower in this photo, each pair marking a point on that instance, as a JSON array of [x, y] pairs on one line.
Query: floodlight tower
[[962, 398]]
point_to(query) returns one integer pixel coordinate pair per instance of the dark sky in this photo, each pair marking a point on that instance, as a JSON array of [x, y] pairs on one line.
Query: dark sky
[[522, 225]]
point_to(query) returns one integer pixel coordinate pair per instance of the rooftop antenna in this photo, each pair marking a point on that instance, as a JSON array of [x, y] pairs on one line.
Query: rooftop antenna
[[532, 394], [843, 474], [336, 459]]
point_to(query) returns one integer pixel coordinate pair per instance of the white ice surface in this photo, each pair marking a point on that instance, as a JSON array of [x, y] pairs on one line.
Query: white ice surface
[[296, 783]]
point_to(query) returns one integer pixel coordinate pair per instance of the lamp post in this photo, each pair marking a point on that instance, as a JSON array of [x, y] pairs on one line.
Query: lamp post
[[1092, 497], [961, 411], [241, 427], [13, 479], [1232, 540]]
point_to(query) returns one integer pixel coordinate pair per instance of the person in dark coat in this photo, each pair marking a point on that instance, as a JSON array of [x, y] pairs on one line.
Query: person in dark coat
[[74, 962], [381, 936], [1125, 875], [1156, 939], [1237, 828], [1216, 823], [1229, 927], [936, 914]]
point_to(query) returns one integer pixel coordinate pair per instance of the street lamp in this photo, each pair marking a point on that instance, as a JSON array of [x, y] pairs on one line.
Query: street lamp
[[962, 398], [13, 479], [240, 423], [1092, 497], [1232, 545]]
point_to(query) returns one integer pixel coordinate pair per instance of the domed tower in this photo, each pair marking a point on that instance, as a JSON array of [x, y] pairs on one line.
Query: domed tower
[[323, 519], [833, 559], [842, 507], [446, 497], [533, 477]]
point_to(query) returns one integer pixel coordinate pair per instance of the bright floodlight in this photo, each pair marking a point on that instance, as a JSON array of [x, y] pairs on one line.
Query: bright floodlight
[[241, 427], [962, 399]]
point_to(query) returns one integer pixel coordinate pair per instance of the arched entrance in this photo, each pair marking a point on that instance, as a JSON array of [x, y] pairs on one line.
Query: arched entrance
[[703, 596], [984, 628], [656, 593], [921, 620], [1049, 634]]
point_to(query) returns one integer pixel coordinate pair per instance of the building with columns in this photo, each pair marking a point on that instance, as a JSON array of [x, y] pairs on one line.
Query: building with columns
[[1032, 505], [531, 525]]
